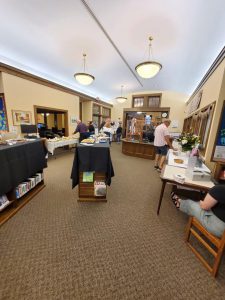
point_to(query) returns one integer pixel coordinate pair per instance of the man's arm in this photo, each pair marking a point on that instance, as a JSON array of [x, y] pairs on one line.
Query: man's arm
[[208, 202], [167, 139], [77, 129]]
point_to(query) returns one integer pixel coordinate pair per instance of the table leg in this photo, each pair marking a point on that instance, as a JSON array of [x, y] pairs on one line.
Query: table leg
[[161, 195]]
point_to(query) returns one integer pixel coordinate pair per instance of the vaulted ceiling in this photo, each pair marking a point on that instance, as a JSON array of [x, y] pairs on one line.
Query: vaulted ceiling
[[48, 37]]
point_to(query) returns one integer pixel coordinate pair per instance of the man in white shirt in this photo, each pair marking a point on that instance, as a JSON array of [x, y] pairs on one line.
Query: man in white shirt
[[161, 143]]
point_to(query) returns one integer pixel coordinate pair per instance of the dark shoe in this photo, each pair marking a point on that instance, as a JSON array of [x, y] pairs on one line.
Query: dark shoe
[[175, 200], [156, 167]]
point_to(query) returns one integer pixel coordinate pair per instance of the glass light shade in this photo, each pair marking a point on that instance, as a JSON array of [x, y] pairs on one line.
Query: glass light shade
[[148, 69], [84, 78], [121, 99]]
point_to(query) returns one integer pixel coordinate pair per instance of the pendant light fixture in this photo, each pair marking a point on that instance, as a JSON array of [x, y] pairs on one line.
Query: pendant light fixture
[[148, 69], [121, 99], [84, 78]]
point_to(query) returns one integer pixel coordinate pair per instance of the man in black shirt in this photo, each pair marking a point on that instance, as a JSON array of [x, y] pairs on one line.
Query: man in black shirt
[[118, 134], [91, 128], [210, 212]]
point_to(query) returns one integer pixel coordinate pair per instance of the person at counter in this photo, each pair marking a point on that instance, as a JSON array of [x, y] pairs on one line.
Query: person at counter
[[82, 129], [91, 128], [148, 132], [161, 143], [210, 212], [118, 133], [108, 130]]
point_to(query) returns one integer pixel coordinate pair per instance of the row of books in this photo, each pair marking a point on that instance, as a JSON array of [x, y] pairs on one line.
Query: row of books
[[29, 184]]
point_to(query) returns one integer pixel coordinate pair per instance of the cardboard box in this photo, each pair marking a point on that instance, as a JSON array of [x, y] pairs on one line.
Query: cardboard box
[[198, 175]]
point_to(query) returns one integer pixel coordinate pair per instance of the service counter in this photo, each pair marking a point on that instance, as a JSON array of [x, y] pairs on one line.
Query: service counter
[[138, 149]]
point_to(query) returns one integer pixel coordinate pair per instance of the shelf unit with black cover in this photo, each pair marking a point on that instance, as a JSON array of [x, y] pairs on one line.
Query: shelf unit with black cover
[[18, 163], [91, 158]]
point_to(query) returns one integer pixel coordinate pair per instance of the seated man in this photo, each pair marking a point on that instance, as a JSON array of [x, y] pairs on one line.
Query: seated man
[[210, 212]]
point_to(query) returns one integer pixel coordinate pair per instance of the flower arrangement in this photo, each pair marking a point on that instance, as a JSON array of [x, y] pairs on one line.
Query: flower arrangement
[[188, 141]]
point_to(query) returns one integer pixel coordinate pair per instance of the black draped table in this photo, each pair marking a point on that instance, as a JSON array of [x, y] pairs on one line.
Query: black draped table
[[91, 158], [19, 162]]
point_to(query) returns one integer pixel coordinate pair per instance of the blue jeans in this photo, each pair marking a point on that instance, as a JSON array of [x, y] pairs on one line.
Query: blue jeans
[[118, 136], [206, 217]]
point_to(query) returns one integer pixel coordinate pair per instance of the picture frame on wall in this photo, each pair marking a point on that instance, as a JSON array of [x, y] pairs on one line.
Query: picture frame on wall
[[3, 114], [73, 120], [219, 146], [21, 117]]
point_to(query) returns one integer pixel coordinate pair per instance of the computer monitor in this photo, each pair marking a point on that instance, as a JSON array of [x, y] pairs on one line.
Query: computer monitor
[[41, 125], [28, 128]]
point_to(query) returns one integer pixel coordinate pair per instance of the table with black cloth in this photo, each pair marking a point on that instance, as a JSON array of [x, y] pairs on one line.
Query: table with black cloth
[[92, 158], [19, 162]]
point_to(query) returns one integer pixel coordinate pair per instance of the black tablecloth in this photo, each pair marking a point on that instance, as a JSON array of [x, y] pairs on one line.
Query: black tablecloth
[[94, 158], [20, 161]]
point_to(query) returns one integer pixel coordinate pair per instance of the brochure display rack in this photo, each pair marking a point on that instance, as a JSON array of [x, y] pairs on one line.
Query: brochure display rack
[[92, 171]]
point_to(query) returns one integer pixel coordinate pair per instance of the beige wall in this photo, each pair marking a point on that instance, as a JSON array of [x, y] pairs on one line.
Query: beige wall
[[40, 118], [60, 121], [213, 90], [50, 121], [22, 94], [176, 102], [87, 111], [1, 83]]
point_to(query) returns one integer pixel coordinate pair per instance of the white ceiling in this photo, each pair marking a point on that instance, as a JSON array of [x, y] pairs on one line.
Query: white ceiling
[[48, 37]]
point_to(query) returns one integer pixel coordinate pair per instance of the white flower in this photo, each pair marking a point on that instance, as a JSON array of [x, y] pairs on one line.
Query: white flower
[[183, 142]]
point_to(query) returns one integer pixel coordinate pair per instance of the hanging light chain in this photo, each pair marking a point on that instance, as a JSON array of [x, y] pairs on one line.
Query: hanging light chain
[[121, 90], [150, 53], [84, 55]]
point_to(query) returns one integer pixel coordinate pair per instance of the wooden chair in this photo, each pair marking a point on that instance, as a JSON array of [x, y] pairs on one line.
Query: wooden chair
[[219, 244]]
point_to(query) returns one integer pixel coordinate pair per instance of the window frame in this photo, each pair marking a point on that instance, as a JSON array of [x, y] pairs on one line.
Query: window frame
[[146, 100]]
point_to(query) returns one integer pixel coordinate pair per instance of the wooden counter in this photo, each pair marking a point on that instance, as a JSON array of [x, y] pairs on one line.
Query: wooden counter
[[138, 149]]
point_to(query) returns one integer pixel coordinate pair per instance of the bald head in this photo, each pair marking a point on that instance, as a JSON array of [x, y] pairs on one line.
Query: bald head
[[167, 122]]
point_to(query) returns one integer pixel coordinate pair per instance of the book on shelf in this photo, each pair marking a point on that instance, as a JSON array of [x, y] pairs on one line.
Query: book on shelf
[[3, 202], [26, 186]]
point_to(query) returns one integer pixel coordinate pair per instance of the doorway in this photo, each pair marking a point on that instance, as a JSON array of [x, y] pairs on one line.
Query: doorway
[[52, 120]]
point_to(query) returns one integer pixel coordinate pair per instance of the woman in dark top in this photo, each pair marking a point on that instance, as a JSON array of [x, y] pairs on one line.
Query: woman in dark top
[[118, 133], [210, 212], [91, 128]]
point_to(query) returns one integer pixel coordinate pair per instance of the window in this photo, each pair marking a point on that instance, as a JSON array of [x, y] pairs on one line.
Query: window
[[106, 112], [153, 101], [138, 102], [96, 109]]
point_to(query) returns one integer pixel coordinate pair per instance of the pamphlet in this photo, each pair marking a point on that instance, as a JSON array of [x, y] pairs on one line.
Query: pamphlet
[[88, 176], [99, 188]]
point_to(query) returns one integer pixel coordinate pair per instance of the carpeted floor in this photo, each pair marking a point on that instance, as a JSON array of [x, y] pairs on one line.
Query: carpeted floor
[[57, 248]]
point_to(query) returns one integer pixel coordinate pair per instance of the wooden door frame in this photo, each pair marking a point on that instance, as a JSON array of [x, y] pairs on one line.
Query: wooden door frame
[[36, 107]]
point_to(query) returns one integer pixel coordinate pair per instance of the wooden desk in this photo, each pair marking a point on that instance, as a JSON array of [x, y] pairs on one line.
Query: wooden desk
[[138, 149], [167, 176]]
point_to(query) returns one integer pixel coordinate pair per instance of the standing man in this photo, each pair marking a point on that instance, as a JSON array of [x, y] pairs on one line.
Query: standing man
[[82, 129], [161, 143]]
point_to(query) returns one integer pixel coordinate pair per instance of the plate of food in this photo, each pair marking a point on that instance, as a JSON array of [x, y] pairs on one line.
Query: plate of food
[[178, 161], [87, 141]]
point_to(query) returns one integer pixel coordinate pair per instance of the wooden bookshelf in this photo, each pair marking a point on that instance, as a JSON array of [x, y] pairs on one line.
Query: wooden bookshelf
[[86, 189], [16, 204]]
